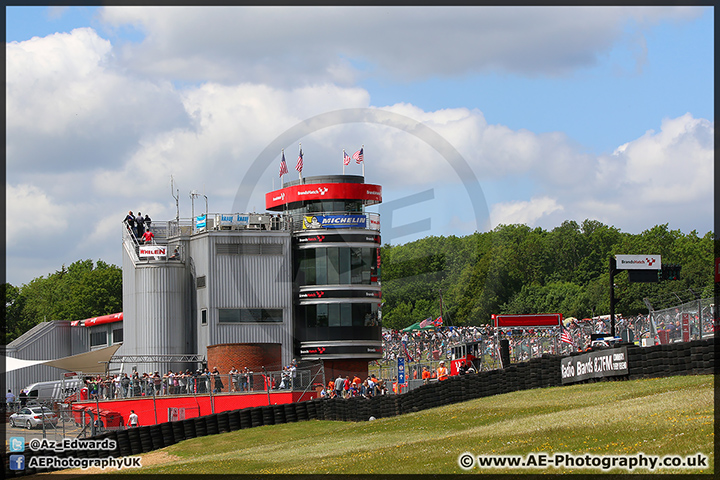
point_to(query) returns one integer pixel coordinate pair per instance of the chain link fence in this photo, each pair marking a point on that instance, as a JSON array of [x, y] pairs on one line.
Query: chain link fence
[[689, 321]]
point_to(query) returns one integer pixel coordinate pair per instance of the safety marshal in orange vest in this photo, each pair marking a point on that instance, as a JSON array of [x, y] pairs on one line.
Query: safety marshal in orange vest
[[442, 372]]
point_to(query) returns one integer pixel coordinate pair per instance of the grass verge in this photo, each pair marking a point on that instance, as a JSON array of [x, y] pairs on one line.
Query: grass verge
[[658, 417]]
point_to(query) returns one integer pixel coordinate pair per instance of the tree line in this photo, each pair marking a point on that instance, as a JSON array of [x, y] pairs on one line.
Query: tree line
[[516, 269], [82, 290], [511, 269]]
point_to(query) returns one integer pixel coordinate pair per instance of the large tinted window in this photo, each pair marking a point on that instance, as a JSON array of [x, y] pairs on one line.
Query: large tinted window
[[250, 315], [98, 338], [337, 266], [338, 315]]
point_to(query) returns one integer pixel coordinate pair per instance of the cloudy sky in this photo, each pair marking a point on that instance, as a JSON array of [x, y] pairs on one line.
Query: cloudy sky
[[470, 117]]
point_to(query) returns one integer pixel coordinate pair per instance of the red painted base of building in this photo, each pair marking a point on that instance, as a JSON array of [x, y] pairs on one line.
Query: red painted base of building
[[152, 411]]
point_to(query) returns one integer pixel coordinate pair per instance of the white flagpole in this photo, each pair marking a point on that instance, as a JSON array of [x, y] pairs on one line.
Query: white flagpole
[[362, 147], [343, 161]]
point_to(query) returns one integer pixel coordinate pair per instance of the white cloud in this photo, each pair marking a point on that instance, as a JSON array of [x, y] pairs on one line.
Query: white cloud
[[523, 212], [89, 137], [30, 211], [279, 45]]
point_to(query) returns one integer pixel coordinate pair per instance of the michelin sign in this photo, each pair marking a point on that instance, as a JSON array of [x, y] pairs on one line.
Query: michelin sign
[[334, 221], [602, 363]]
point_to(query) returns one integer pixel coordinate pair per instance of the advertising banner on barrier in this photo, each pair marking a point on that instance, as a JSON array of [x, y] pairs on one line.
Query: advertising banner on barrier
[[152, 251], [601, 363]]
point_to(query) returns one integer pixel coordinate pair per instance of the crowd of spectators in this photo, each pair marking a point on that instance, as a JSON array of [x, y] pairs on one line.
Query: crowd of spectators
[[344, 387], [436, 344], [430, 345]]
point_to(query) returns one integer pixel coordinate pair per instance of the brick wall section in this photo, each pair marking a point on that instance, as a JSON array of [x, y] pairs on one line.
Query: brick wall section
[[333, 368], [241, 355]]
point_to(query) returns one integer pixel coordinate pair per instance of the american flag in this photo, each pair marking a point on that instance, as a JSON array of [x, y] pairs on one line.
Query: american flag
[[299, 165], [346, 158], [358, 156], [426, 322], [565, 335], [283, 166]]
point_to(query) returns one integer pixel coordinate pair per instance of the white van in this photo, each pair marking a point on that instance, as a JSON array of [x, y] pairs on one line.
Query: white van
[[56, 390]]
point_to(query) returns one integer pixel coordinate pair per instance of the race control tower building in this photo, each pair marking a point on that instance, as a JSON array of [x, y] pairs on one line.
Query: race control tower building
[[300, 281], [336, 263]]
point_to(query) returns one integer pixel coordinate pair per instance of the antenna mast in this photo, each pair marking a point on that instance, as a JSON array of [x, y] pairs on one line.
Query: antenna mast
[[176, 195]]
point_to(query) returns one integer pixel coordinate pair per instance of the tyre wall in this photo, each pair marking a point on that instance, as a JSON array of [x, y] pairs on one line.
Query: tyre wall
[[690, 358]]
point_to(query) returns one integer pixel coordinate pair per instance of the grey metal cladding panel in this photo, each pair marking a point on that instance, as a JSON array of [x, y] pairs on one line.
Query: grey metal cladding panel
[[50, 342], [251, 281], [159, 315], [80, 339], [253, 333]]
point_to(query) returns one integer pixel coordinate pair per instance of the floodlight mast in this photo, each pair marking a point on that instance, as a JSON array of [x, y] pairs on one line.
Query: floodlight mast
[[613, 271]]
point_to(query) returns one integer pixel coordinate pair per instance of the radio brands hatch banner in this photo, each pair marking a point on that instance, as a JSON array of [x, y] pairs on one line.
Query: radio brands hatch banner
[[600, 363], [638, 262], [334, 221]]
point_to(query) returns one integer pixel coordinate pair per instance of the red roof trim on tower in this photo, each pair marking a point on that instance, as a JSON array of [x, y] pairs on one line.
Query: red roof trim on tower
[[368, 193]]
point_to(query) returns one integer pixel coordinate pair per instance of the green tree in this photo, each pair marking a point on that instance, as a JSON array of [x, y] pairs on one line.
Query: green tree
[[80, 291]]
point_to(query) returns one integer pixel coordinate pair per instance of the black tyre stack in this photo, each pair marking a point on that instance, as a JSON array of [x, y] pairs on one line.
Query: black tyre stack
[[233, 420], [278, 414], [145, 439], [311, 407], [123, 442], [156, 436], [211, 422], [200, 426], [256, 416], [134, 439], [178, 428], [223, 422], [291, 415], [189, 428], [268, 417], [302, 411]]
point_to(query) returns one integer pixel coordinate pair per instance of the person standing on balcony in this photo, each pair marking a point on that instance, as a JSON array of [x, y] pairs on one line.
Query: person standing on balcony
[[148, 237], [130, 221], [139, 225]]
